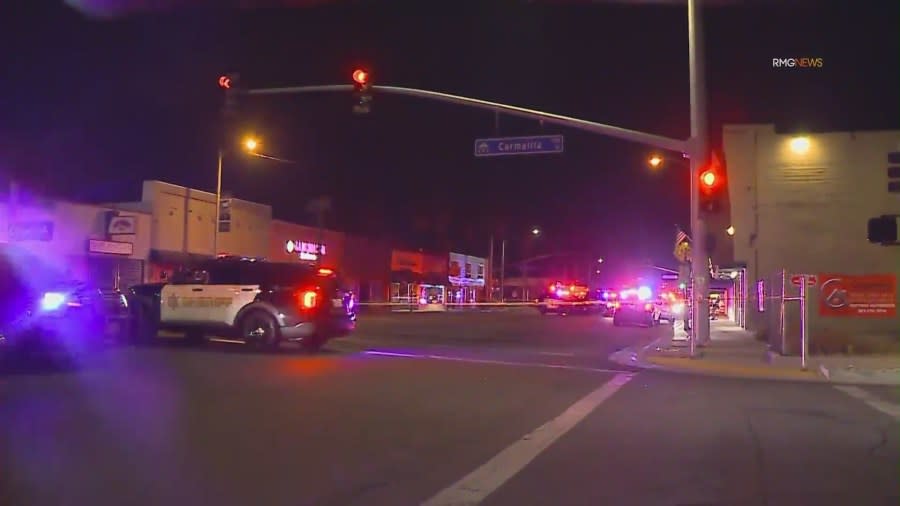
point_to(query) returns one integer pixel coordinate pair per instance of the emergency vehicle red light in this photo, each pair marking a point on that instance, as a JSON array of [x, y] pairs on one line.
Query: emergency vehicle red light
[[708, 178], [308, 299]]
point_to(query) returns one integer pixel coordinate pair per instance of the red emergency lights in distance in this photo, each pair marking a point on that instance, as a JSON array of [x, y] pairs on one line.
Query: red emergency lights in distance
[[224, 82], [360, 77]]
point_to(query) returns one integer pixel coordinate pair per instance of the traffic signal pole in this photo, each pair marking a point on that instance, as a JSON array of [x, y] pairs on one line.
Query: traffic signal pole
[[695, 147], [566, 121], [697, 152]]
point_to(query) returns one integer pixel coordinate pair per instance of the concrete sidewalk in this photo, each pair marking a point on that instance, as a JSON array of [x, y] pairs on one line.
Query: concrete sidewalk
[[735, 352]]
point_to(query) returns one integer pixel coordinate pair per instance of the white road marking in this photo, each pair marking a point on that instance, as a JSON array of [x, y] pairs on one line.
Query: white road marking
[[480, 483], [888, 408], [494, 362]]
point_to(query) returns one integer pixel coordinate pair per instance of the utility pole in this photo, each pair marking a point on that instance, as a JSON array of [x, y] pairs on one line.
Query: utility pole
[[490, 272], [503, 271]]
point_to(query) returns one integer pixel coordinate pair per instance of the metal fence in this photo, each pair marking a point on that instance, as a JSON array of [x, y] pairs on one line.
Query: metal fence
[[784, 321]]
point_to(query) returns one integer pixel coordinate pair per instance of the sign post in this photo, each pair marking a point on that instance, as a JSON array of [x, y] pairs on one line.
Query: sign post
[[804, 320], [504, 146]]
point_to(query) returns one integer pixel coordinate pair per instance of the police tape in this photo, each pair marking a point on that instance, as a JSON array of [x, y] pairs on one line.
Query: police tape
[[481, 304]]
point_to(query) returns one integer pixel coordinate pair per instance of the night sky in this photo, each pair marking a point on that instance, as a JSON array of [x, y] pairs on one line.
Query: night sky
[[91, 106]]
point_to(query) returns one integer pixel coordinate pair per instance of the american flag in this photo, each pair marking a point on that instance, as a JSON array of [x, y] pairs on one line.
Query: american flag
[[680, 237]]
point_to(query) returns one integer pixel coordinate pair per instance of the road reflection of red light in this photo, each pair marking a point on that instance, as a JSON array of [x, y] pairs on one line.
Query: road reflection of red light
[[307, 367]]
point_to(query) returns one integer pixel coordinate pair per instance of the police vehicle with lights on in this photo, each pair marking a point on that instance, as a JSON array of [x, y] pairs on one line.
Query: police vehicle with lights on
[[635, 307], [255, 302], [44, 310]]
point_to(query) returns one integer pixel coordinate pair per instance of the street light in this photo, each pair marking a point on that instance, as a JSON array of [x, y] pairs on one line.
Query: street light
[[250, 144], [655, 161], [729, 230], [599, 260], [535, 231]]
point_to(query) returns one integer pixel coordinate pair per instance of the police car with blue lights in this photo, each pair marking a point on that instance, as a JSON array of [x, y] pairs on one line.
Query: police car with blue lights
[[43, 310], [250, 301], [636, 307]]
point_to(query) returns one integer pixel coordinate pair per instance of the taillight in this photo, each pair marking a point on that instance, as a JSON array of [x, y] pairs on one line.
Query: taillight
[[308, 299]]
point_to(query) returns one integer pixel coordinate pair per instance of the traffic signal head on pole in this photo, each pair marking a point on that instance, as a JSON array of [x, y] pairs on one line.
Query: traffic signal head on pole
[[712, 187], [230, 84], [360, 77], [362, 95]]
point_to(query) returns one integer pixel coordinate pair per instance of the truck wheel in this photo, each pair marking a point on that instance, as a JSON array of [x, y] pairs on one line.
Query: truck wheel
[[259, 329]]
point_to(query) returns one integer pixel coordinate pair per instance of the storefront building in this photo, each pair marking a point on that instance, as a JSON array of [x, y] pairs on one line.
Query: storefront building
[[183, 226], [799, 205], [292, 242], [418, 278], [466, 275], [105, 247], [366, 267]]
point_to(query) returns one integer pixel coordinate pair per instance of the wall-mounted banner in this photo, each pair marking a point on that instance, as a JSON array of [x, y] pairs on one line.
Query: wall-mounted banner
[[872, 295]]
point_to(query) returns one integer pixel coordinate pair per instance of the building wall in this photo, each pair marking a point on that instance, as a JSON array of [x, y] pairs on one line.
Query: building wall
[[367, 266], [467, 267], [807, 213], [70, 227], [184, 221], [283, 231]]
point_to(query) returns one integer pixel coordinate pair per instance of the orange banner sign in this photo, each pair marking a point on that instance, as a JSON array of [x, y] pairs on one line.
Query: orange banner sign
[[873, 295]]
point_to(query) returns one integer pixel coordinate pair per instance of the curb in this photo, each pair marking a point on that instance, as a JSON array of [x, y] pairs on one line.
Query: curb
[[637, 357], [726, 370]]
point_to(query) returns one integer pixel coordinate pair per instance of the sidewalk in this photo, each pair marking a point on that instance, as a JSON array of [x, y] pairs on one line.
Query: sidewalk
[[735, 352]]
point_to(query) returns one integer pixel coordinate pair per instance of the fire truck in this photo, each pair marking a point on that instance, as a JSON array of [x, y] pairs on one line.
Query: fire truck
[[568, 298]]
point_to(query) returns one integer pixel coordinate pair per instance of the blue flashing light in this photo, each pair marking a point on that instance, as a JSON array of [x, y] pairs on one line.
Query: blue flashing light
[[644, 293], [51, 301]]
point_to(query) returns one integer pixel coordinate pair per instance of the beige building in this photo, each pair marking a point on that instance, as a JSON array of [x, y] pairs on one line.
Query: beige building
[[99, 244], [799, 205], [183, 226]]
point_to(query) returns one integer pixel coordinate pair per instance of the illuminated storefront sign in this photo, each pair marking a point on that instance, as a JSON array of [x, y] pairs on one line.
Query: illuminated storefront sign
[[305, 250]]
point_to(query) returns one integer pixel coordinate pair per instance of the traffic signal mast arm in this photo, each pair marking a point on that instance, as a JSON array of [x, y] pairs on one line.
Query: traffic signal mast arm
[[681, 146]]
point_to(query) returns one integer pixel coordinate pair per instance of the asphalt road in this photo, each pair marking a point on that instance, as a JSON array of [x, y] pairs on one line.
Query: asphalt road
[[437, 409]]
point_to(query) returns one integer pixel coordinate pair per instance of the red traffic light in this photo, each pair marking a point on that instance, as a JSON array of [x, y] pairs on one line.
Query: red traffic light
[[224, 82], [708, 179], [360, 76]]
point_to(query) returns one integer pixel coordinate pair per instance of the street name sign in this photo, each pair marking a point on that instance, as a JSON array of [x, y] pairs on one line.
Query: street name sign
[[535, 145]]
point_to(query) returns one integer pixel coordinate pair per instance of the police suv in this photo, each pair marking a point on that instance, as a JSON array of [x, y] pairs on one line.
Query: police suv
[[255, 302]]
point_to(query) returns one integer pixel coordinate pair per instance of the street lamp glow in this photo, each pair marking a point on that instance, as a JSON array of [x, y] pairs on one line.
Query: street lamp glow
[[250, 144], [535, 231], [599, 260], [655, 161], [800, 145], [729, 230]]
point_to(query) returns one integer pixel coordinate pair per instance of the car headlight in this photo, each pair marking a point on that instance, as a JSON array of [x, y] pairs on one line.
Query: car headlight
[[51, 301]]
